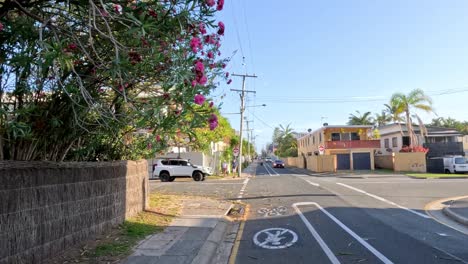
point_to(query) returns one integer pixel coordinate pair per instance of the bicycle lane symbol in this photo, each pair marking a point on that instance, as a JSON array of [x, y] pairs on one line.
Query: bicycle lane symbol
[[275, 238]]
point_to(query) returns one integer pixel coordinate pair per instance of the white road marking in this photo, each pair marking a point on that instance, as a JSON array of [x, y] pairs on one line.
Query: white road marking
[[384, 200], [316, 235], [412, 181], [275, 238], [344, 227], [241, 193], [312, 183], [268, 168]]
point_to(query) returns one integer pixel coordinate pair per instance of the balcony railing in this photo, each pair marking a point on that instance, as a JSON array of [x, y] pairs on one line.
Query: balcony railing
[[347, 144]]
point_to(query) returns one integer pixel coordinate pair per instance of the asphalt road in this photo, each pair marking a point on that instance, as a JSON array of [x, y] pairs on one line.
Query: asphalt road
[[298, 218]]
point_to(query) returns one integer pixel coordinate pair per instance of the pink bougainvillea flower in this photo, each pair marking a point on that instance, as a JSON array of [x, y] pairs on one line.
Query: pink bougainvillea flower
[[229, 82], [210, 55], [195, 44], [158, 138], [220, 28], [194, 83], [227, 74], [199, 67], [199, 99], [213, 121], [1, 26], [202, 80], [220, 5], [210, 2], [202, 28], [211, 104], [149, 146], [118, 8]]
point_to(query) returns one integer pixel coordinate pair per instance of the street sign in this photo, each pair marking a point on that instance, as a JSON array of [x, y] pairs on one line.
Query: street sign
[[321, 149], [235, 151]]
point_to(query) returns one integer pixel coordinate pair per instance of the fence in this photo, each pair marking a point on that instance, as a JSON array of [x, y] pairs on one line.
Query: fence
[[47, 207]]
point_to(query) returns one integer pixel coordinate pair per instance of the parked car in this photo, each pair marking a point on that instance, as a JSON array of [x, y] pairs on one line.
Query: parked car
[[455, 164], [278, 164], [169, 169]]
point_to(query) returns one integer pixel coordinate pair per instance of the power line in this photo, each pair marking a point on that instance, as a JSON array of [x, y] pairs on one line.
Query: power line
[[350, 99]]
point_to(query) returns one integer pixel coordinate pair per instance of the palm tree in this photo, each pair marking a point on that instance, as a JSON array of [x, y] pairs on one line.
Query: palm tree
[[404, 104], [364, 119], [382, 119]]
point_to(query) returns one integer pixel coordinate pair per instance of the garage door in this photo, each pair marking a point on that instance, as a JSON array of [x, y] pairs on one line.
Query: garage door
[[361, 161], [342, 162]]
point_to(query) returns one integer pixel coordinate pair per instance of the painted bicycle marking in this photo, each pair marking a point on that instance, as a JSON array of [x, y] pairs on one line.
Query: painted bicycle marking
[[275, 211], [275, 238]]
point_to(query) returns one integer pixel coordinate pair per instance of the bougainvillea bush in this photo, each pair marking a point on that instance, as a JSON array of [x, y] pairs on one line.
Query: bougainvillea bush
[[101, 80]]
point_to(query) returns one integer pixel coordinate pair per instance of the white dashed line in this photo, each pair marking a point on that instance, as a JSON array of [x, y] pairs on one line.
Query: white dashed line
[[384, 200]]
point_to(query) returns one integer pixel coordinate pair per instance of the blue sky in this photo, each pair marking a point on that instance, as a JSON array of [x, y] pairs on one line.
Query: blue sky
[[330, 58]]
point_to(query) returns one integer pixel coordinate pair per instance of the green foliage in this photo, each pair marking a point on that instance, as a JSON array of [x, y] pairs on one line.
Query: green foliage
[[360, 119], [81, 80], [287, 143], [460, 126]]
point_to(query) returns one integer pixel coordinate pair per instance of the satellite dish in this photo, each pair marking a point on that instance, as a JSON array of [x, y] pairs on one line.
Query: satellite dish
[[325, 124], [309, 130]]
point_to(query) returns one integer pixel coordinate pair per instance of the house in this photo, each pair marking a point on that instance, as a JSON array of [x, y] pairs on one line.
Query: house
[[464, 140], [352, 145], [440, 141]]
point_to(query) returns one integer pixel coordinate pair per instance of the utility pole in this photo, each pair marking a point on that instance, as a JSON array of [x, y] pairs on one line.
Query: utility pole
[[242, 109], [249, 135]]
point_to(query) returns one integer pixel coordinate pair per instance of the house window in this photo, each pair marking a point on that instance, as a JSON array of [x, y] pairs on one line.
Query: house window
[[387, 143], [394, 142], [335, 136], [345, 136], [355, 136]]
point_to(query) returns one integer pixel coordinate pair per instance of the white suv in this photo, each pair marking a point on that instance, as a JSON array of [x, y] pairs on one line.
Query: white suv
[[169, 169]]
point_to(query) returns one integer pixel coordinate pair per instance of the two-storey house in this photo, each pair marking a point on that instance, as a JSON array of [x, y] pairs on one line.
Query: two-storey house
[[353, 146]]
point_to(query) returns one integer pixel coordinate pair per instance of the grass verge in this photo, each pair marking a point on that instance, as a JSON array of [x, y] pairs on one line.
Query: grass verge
[[118, 243], [436, 175]]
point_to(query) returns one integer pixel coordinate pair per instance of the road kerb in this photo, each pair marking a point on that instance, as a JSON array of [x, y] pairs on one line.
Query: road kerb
[[435, 210], [455, 216], [235, 248], [208, 249]]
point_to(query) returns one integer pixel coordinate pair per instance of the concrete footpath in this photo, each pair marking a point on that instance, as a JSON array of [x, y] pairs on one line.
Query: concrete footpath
[[193, 237], [200, 235], [457, 210]]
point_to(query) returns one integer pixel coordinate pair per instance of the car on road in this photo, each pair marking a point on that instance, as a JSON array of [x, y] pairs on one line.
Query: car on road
[[267, 159], [167, 170], [455, 164], [278, 164]]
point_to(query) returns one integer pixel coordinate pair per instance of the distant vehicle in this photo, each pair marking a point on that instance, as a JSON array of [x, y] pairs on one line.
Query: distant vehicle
[[278, 164], [455, 164], [169, 169], [267, 159]]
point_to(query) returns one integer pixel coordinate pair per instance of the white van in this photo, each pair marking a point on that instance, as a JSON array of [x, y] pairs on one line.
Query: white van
[[455, 164]]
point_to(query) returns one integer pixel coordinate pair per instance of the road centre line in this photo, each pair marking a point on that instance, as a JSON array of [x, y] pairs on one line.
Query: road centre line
[[383, 200], [344, 227], [267, 168]]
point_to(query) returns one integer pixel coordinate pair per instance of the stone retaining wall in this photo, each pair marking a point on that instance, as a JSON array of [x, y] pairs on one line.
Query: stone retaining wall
[[46, 207]]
